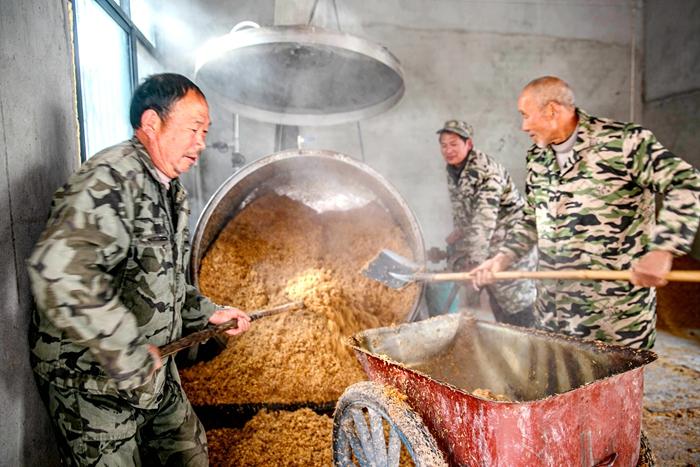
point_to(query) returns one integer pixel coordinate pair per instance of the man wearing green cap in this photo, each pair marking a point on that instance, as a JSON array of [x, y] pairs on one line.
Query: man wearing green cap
[[485, 204]]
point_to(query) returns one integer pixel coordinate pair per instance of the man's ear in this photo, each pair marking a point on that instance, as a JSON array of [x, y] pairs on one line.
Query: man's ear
[[150, 122]]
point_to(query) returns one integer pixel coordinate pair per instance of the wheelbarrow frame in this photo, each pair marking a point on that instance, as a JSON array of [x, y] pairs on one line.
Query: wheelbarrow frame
[[596, 424]]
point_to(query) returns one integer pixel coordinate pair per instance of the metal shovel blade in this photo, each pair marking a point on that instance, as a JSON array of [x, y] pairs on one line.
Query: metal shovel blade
[[391, 269]]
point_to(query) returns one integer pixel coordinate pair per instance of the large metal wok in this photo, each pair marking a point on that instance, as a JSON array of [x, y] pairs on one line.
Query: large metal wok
[[323, 180], [571, 402]]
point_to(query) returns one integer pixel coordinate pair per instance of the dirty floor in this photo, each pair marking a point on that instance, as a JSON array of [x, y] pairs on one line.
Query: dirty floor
[[672, 401]]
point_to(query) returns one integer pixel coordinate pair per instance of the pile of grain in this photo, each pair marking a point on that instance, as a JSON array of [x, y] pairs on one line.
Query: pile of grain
[[276, 250], [490, 395], [280, 438], [301, 438]]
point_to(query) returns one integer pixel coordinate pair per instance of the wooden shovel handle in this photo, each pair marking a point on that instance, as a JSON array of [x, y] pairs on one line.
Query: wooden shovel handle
[[201, 336], [564, 274]]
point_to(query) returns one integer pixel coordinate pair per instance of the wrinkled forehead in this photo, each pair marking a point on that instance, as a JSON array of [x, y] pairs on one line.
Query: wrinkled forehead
[[192, 107], [447, 136], [527, 101]]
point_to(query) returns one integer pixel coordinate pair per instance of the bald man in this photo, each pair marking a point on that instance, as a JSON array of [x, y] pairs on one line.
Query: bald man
[[590, 188]]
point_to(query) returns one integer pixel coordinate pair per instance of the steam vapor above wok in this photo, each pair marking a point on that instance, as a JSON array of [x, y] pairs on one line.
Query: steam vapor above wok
[[300, 75]]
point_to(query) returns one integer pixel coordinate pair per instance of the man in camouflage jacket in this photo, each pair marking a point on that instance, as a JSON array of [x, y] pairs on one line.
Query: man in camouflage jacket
[[591, 186], [485, 205], [108, 277]]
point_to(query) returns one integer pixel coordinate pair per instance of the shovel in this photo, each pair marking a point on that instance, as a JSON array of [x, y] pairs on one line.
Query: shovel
[[396, 272], [201, 336]]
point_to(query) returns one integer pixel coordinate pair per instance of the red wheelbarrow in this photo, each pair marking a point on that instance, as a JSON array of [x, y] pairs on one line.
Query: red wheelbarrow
[[561, 401]]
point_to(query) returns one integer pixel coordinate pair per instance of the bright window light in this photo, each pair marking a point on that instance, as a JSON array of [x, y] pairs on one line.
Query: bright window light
[[142, 14], [105, 77], [148, 65]]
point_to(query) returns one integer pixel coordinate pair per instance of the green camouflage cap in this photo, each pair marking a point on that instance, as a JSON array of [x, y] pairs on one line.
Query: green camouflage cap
[[458, 127]]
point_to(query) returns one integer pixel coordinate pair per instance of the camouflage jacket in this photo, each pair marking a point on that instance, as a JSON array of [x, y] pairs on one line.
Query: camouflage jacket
[[485, 206], [598, 212], [108, 277]]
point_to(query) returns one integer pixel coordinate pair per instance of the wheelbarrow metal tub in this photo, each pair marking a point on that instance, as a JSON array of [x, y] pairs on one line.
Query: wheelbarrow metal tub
[[575, 402]]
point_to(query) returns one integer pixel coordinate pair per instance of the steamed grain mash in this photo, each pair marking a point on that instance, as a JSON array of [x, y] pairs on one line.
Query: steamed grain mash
[[301, 438], [276, 250]]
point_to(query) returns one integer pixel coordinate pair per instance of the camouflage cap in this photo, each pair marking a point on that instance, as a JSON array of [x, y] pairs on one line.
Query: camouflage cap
[[458, 127]]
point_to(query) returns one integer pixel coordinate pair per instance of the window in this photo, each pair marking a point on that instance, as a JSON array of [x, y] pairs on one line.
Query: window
[[148, 65], [112, 56], [143, 16]]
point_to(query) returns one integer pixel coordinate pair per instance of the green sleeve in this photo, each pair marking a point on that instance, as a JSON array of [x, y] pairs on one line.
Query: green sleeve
[[196, 311], [522, 231], [678, 183], [87, 235], [480, 226]]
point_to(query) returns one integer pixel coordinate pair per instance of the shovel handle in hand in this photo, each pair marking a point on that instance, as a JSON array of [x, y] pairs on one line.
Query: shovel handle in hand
[[201, 336], [564, 274]]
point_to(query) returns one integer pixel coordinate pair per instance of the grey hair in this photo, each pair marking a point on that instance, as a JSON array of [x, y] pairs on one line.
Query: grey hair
[[548, 89]]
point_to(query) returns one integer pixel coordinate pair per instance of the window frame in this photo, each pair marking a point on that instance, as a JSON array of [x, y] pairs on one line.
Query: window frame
[[121, 16]]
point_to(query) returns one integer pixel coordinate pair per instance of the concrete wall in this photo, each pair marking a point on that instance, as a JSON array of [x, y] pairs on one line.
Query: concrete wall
[[462, 59], [672, 78], [672, 74], [38, 149]]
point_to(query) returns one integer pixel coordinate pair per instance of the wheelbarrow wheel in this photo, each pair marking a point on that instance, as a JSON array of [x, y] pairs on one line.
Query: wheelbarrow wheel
[[372, 423]]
